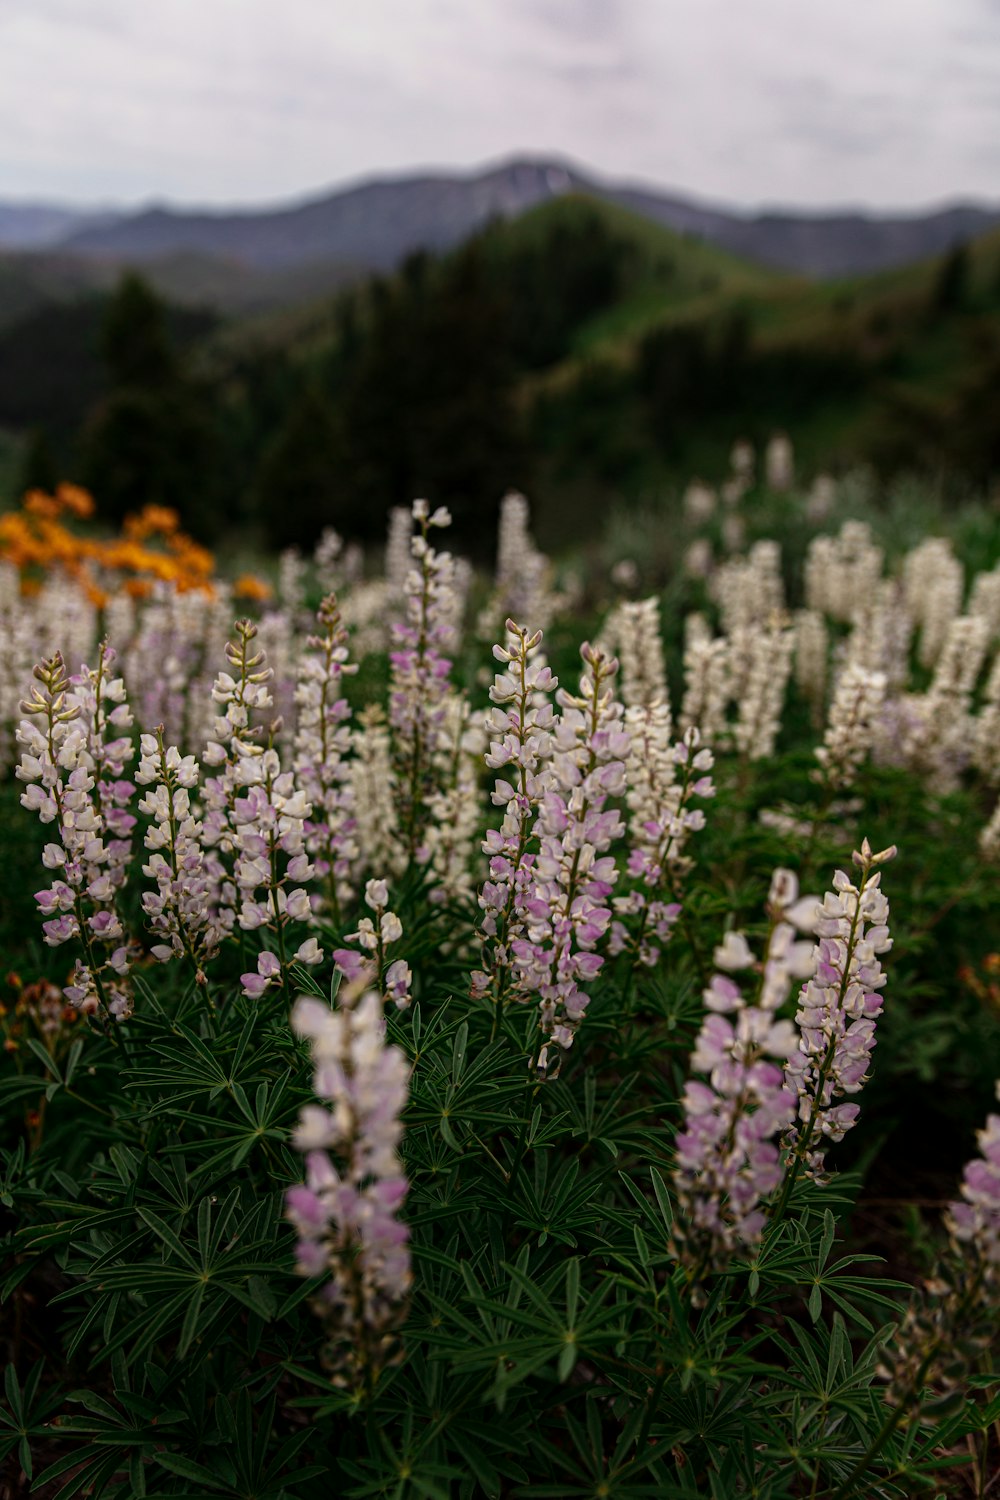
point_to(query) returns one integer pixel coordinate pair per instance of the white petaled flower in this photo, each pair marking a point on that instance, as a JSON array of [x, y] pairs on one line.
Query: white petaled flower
[[75, 777], [850, 732], [372, 784], [838, 1009], [763, 694], [179, 911], [522, 587], [706, 687], [933, 581], [566, 913], [639, 646], [986, 729], [663, 777], [322, 744], [255, 818], [374, 936], [346, 1211], [455, 807], [938, 733], [419, 678], [233, 754], [519, 726]]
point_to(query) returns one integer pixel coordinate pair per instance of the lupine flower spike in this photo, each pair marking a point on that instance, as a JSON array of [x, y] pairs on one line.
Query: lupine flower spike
[[322, 741], [374, 937], [520, 725], [953, 1322], [75, 781], [419, 686], [838, 1009], [728, 1156], [179, 911], [345, 1212], [567, 912]]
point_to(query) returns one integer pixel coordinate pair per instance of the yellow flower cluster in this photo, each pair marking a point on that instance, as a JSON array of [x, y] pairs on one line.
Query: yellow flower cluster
[[40, 539]]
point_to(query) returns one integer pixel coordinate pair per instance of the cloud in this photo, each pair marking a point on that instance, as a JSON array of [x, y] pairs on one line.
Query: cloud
[[766, 101]]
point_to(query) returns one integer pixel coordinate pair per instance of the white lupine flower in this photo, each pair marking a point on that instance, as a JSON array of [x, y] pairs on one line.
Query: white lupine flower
[[519, 726], [985, 747], [699, 503], [779, 463], [842, 571], [456, 806], [345, 1212], [706, 688], [933, 581], [372, 783], [397, 552], [984, 599], [179, 911], [936, 736], [838, 1009], [636, 638], [850, 732], [76, 781], [322, 743], [522, 587], [881, 632], [374, 936], [989, 839], [419, 681], [763, 695]]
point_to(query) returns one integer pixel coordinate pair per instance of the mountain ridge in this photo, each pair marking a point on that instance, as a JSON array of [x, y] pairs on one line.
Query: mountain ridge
[[373, 224]]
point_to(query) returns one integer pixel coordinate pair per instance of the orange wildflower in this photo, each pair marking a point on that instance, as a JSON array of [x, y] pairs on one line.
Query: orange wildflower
[[249, 586]]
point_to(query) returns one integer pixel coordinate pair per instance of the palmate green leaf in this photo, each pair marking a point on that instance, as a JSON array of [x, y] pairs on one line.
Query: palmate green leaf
[[176, 1463]]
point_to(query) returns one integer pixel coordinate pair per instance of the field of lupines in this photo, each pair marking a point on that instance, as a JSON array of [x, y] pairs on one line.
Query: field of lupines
[[456, 1039]]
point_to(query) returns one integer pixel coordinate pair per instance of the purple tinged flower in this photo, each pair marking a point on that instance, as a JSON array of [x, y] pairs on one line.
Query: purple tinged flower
[[974, 1220], [345, 1213], [838, 1008], [74, 770], [728, 1157]]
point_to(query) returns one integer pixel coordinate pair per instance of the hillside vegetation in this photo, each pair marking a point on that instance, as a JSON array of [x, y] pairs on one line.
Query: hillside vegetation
[[579, 350]]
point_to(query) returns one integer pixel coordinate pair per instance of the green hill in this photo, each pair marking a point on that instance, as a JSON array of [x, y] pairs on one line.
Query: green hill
[[579, 351]]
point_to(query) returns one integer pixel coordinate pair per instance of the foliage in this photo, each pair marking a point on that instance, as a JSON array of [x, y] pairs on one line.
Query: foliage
[[560, 1337]]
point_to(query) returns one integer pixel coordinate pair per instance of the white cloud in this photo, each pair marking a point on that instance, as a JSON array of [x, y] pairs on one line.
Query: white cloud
[[749, 101]]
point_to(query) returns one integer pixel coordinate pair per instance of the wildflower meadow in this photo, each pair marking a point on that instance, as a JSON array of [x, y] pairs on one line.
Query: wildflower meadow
[[528, 1033]]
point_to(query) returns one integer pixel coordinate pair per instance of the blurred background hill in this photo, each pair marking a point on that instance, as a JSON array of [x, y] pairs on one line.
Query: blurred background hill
[[452, 335]]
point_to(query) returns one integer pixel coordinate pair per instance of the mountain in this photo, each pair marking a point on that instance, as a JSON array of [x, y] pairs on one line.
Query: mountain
[[371, 227], [38, 226], [820, 245], [374, 225]]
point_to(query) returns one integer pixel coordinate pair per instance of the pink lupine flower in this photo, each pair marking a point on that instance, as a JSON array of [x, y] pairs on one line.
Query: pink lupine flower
[[322, 740], [566, 910], [728, 1156], [951, 1323], [974, 1220], [838, 1009], [256, 814], [662, 777], [419, 689], [520, 725], [374, 937], [75, 781], [345, 1214], [268, 969], [179, 911]]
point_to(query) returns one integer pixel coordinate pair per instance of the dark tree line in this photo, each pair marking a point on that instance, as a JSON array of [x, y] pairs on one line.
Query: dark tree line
[[425, 383]]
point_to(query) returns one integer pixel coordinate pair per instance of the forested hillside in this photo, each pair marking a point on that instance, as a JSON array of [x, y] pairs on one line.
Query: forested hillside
[[578, 351]]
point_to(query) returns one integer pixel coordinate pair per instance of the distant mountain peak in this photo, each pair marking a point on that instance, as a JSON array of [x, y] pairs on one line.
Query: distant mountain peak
[[373, 224]]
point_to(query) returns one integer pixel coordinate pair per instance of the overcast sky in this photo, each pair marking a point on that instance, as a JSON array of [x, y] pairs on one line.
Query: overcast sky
[[889, 103]]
